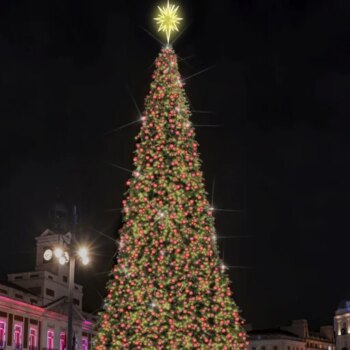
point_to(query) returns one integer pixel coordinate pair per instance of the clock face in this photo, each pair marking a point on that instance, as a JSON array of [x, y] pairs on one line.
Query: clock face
[[48, 254]]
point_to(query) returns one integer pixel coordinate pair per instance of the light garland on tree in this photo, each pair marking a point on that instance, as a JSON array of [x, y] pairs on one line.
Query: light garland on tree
[[168, 287]]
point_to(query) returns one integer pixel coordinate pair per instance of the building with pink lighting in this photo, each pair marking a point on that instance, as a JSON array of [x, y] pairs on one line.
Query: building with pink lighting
[[33, 305]]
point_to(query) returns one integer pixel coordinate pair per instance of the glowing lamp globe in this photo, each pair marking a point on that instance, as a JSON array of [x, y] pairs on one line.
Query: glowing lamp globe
[[62, 260], [85, 260], [83, 252], [58, 252]]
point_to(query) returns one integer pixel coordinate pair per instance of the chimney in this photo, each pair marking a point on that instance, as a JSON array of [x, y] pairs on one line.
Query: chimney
[[327, 332], [299, 328]]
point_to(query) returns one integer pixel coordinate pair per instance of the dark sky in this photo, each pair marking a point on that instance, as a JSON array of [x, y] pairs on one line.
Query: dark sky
[[280, 88]]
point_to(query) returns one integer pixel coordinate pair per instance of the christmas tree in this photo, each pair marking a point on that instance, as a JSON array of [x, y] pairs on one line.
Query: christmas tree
[[169, 289]]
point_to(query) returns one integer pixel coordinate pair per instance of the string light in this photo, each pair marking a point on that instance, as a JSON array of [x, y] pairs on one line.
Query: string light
[[169, 289]]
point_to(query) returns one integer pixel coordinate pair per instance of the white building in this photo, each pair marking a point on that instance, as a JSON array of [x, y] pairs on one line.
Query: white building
[[274, 339], [297, 336], [33, 305], [342, 326]]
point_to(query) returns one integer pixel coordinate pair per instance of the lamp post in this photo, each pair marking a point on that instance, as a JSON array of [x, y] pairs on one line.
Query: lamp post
[[70, 301], [67, 253]]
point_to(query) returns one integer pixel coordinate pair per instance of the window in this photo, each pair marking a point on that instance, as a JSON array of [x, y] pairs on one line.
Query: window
[[33, 301], [288, 347], [18, 277], [50, 340], [3, 291], [18, 296], [32, 339], [50, 277], [85, 344], [2, 334], [65, 279], [50, 292], [275, 347], [263, 348], [17, 337], [34, 276], [76, 301], [63, 341]]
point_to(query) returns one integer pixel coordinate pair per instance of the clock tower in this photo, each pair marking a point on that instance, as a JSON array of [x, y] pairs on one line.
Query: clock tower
[[49, 280]]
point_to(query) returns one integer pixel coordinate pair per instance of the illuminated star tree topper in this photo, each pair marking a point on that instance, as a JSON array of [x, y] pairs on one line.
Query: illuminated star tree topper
[[168, 19]]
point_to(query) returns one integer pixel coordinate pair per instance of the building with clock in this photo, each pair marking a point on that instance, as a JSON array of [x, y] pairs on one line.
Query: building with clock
[[33, 304]]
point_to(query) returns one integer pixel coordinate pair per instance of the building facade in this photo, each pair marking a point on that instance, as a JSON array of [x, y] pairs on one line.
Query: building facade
[[296, 336], [274, 339], [34, 308]]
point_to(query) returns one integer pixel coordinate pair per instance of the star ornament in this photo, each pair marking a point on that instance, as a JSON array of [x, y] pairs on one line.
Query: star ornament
[[168, 19]]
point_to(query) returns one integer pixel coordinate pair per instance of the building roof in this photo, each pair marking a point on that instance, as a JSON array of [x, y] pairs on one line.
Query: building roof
[[272, 332], [343, 307], [344, 304], [17, 287]]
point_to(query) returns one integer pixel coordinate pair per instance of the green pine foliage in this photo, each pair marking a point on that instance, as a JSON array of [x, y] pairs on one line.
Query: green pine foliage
[[169, 289]]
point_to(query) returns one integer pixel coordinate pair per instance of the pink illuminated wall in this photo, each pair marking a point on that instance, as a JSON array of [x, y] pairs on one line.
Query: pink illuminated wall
[[2, 334]]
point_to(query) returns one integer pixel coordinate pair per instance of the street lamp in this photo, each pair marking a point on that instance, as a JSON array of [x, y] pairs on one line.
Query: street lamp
[[67, 254]]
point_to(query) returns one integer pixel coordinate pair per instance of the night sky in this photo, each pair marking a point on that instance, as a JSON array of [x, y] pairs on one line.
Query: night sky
[[279, 88]]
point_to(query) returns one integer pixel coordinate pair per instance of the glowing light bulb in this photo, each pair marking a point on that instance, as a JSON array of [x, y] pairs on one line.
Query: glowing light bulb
[[83, 252], [85, 260], [58, 252], [62, 260]]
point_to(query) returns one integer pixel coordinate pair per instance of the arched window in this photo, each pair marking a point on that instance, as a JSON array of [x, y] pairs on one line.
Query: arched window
[[17, 337], [84, 344], [33, 339], [63, 341], [50, 340]]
